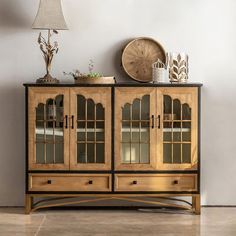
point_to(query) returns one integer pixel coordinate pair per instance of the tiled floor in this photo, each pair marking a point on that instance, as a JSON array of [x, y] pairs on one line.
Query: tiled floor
[[212, 222]]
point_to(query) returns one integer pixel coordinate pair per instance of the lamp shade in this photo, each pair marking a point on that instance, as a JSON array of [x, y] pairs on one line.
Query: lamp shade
[[50, 16]]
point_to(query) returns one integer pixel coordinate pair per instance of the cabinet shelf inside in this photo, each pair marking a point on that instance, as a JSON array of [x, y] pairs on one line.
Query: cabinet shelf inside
[[164, 130], [59, 131], [176, 130], [49, 131]]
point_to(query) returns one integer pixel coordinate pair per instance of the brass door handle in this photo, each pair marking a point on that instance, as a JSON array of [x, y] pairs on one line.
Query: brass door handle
[[159, 121], [153, 120], [66, 117], [72, 122]]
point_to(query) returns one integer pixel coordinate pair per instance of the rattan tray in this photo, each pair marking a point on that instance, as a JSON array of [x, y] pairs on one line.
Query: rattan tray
[[138, 57], [98, 80]]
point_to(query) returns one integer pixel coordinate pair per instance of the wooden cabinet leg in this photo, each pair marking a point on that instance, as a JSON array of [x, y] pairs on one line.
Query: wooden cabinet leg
[[28, 203], [196, 202]]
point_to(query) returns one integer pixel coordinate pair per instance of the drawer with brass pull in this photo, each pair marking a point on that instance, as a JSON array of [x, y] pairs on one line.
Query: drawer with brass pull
[[156, 182], [69, 182]]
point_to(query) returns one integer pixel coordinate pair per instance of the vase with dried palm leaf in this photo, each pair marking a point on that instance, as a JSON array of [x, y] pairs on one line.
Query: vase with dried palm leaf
[[178, 67]]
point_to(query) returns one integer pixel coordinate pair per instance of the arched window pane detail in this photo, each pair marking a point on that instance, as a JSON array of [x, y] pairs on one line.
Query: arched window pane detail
[[126, 112], [167, 105], [136, 109], [90, 131], [186, 112], [135, 131], [80, 107], [59, 111], [176, 131], [49, 136], [176, 110], [145, 108], [99, 112], [40, 112], [90, 109]]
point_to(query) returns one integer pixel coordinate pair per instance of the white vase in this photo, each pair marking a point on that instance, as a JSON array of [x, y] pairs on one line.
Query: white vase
[[159, 75]]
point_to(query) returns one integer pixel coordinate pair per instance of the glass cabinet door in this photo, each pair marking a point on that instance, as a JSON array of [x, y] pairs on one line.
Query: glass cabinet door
[[90, 129], [48, 128], [135, 124], [178, 130]]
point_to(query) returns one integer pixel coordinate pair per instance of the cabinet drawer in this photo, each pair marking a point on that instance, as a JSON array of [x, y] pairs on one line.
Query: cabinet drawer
[[156, 182], [69, 182]]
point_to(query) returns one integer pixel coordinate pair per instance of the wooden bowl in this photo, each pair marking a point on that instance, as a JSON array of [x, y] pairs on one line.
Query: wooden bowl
[[138, 57], [96, 80]]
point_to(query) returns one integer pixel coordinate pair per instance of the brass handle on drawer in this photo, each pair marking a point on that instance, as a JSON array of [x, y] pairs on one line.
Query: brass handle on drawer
[[175, 181], [66, 117], [135, 182], [72, 122], [49, 181], [152, 121], [90, 182]]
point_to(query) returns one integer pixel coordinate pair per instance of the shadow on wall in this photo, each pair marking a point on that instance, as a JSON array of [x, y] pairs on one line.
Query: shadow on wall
[[12, 144], [11, 15]]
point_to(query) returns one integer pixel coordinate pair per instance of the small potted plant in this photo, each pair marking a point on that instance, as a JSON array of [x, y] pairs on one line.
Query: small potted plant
[[92, 77]]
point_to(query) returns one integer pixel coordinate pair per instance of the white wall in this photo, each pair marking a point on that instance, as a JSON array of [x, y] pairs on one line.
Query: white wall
[[98, 29]]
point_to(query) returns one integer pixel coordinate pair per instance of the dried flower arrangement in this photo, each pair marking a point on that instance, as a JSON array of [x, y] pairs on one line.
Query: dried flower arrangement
[[78, 74], [91, 77]]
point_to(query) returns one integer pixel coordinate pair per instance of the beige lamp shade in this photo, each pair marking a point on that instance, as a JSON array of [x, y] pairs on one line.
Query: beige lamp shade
[[50, 16]]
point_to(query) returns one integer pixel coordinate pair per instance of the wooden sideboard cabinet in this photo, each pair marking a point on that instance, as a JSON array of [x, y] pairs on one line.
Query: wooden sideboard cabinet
[[122, 142]]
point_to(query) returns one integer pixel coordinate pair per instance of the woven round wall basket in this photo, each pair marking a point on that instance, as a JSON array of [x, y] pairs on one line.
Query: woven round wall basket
[[138, 57]]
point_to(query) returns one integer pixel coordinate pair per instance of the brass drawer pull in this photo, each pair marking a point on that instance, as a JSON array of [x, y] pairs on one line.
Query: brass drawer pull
[[135, 182], [49, 181], [175, 182], [90, 182]]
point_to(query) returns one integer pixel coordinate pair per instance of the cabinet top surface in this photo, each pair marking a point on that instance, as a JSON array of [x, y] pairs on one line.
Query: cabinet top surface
[[117, 84]]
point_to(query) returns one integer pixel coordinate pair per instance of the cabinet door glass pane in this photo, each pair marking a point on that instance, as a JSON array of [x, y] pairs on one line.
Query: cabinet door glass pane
[[40, 153], [186, 153], [135, 155], [176, 131], [90, 153], [81, 107], [90, 110], [59, 149], [144, 153], [100, 155], [50, 153], [81, 156], [167, 153], [136, 109], [135, 131], [126, 112], [99, 112], [126, 152], [49, 135], [90, 131]]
